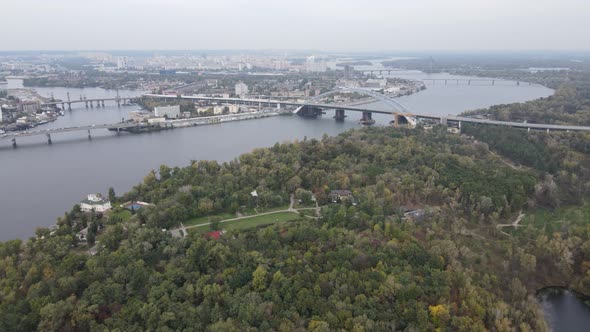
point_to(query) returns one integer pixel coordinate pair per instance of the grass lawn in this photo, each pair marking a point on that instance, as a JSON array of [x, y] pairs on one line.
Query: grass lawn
[[559, 219], [206, 219], [199, 230], [310, 212], [303, 205], [249, 222], [123, 214], [260, 220], [262, 210]]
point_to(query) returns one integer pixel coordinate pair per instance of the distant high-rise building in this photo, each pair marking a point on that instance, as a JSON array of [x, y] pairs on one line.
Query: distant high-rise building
[[122, 62], [241, 90], [348, 71], [312, 66], [310, 63]]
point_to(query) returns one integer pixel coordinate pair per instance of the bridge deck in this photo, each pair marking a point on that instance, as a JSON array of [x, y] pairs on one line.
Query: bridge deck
[[372, 110], [540, 126], [27, 133]]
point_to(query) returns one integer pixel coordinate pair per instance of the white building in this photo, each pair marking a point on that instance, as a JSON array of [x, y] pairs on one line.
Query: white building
[[241, 90], [218, 110], [122, 63], [95, 203], [171, 112], [233, 109]]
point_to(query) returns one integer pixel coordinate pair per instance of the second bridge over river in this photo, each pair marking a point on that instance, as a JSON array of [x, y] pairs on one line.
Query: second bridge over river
[[309, 108], [399, 113]]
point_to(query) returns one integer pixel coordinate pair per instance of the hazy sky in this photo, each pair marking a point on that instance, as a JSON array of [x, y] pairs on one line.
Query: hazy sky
[[331, 25]]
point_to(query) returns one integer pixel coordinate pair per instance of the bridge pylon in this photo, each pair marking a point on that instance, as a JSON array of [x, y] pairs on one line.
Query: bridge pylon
[[367, 118], [339, 116]]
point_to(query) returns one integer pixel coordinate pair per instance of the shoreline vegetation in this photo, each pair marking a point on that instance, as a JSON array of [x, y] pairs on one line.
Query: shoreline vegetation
[[362, 265]]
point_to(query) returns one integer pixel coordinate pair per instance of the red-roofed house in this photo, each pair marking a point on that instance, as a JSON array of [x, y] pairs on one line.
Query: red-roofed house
[[214, 235]]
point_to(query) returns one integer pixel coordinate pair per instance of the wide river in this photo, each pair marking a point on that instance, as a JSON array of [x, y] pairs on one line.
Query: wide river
[[40, 182]]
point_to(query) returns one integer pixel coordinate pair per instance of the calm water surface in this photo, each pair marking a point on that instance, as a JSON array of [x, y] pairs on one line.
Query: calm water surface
[[564, 311], [40, 182]]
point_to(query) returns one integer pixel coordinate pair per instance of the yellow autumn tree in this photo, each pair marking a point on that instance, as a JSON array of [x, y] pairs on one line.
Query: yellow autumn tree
[[439, 314]]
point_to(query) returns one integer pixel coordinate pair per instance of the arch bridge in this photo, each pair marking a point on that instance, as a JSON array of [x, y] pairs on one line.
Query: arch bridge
[[399, 111], [401, 115]]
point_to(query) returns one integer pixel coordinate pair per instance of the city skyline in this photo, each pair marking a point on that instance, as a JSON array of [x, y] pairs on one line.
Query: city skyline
[[378, 26]]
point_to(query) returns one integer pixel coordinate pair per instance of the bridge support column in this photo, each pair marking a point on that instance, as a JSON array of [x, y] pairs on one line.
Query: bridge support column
[[91, 104], [63, 106], [103, 103], [49, 139], [493, 82], [339, 115], [547, 129], [14, 143], [528, 130], [86, 104], [69, 106], [443, 121], [89, 136], [396, 120], [367, 118]]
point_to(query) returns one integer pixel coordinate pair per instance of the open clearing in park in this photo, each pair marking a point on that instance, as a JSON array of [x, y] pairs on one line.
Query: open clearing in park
[[250, 222]]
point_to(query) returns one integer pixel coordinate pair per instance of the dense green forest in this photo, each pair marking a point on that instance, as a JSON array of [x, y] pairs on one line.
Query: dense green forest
[[357, 267]]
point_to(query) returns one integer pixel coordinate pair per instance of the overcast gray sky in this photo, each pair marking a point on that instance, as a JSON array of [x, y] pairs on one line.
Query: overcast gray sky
[[331, 25]]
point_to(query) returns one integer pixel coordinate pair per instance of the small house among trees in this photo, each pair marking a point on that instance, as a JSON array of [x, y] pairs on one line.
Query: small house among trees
[[339, 196]]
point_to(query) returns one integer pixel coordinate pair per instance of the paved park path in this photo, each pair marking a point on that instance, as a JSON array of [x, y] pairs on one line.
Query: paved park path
[[176, 232]]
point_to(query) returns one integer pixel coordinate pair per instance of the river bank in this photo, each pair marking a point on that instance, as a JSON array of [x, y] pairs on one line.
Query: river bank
[[79, 166]]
